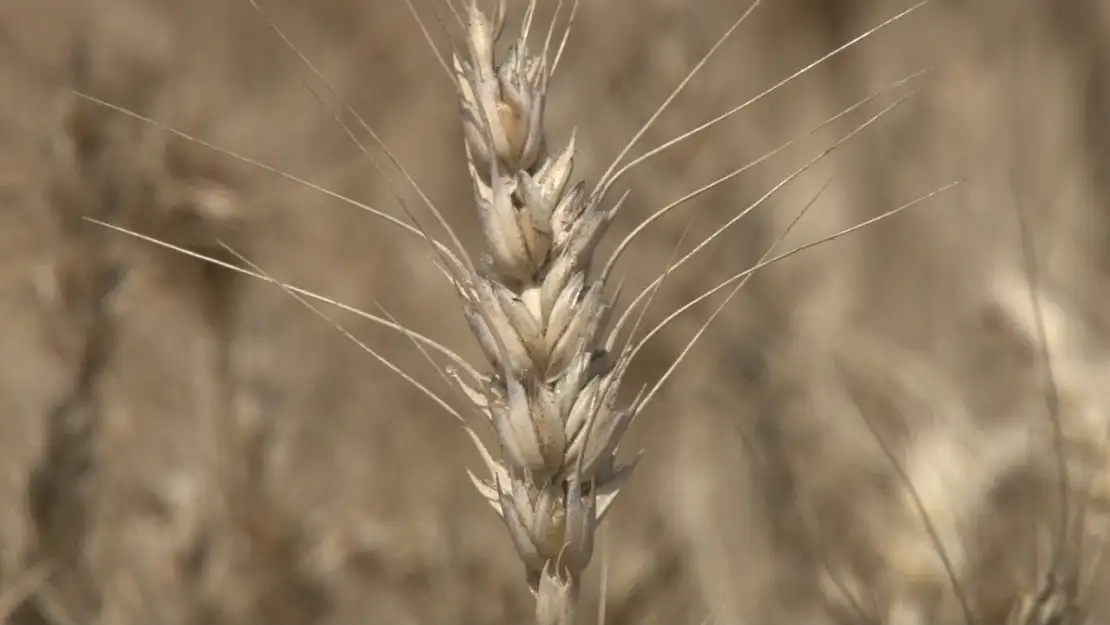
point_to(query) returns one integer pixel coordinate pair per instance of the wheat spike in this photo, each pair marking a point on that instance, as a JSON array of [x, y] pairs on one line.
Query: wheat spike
[[540, 319]]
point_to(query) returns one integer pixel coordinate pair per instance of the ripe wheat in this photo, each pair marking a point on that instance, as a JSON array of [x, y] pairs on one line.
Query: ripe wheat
[[541, 318], [536, 309]]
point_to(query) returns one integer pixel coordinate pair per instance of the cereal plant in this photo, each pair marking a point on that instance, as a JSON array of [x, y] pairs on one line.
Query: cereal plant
[[206, 421]]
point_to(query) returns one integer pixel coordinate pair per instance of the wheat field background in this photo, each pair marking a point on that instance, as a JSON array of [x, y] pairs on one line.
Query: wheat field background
[[180, 444]]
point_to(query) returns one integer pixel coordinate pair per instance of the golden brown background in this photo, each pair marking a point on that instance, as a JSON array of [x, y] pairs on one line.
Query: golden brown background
[[179, 444]]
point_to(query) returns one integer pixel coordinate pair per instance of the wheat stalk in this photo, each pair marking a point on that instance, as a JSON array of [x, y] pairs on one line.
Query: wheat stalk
[[538, 312], [540, 319]]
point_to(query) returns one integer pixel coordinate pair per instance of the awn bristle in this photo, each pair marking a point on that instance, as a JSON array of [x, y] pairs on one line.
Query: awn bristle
[[540, 319]]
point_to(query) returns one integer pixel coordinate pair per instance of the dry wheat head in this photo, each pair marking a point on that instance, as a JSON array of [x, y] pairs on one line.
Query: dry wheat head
[[540, 319]]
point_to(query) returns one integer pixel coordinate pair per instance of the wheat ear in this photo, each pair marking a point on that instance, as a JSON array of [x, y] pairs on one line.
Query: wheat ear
[[539, 318]]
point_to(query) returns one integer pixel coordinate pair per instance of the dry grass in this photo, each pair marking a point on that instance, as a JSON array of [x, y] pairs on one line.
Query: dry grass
[[187, 444]]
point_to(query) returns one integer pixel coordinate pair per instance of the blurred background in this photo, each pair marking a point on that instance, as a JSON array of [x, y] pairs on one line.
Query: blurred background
[[181, 444]]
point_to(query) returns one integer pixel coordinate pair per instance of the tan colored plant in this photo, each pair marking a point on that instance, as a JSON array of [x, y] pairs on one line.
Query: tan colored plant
[[540, 319], [538, 312]]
